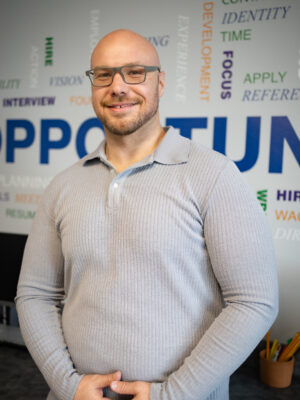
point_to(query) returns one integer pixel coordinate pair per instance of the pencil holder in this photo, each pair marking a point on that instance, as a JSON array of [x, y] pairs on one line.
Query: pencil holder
[[277, 374]]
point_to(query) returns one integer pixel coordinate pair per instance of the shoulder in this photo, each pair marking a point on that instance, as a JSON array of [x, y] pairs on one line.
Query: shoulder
[[205, 166], [76, 171], [209, 172], [209, 158], [65, 176], [67, 182], [178, 149]]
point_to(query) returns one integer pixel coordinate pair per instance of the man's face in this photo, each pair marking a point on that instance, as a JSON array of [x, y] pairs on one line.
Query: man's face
[[121, 107]]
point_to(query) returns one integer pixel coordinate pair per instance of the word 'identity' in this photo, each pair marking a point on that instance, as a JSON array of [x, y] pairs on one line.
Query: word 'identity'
[[262, 14]]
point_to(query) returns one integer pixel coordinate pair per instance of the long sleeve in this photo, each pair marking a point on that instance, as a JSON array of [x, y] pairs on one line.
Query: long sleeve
[[240, 248], [39, 296]]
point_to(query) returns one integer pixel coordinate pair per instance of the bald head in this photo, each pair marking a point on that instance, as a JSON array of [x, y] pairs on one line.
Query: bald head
[[123, 47]]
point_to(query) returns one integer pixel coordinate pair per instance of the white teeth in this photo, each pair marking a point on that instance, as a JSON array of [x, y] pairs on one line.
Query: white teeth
[[121, 106]]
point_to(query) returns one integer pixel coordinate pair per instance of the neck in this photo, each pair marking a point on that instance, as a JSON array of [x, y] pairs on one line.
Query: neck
[[124, 151]]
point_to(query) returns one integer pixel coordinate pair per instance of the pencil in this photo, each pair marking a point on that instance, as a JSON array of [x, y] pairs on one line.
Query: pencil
[[273, 349], [291, 347], [291, 351]]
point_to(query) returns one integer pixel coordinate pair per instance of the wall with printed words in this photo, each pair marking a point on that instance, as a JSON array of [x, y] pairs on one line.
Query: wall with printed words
[[233, 84]]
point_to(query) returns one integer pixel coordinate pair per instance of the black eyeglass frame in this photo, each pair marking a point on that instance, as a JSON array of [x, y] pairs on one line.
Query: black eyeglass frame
[[119, 69]]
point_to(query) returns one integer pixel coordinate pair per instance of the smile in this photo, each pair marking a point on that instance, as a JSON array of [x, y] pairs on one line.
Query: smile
[[121, 107]]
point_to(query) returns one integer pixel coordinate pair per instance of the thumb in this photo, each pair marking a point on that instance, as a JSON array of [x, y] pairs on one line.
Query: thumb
[[105, 380], [122, 387]]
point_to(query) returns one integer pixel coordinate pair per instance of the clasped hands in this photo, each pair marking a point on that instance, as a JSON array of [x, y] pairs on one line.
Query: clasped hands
[[91, 387]]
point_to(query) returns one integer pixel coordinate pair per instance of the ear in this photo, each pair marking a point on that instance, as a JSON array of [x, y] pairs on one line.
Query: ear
[[161, 83]]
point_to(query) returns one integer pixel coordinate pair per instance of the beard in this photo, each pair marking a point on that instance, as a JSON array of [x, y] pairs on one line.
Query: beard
[[125, 127]]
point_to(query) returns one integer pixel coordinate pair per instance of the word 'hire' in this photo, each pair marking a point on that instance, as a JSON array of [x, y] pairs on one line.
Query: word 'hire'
[[288, 195], [49, 51]]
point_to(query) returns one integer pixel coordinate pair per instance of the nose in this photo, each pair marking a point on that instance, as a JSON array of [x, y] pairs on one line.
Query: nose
[[118, 86]]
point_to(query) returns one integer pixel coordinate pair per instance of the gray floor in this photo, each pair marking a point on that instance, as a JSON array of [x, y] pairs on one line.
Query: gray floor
[[21, 380]]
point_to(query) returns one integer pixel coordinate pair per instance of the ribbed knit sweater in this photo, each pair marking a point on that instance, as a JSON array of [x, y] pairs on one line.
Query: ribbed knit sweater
[[164, 272]]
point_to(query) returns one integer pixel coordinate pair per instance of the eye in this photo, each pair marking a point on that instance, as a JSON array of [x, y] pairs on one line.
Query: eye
[[102, 74], [135, 71]]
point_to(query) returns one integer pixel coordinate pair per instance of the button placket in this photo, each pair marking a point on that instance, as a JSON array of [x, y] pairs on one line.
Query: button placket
[[114, 191], [111, 189], [115, 188]]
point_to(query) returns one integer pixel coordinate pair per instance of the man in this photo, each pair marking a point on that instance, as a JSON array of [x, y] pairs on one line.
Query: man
[[149, 269]]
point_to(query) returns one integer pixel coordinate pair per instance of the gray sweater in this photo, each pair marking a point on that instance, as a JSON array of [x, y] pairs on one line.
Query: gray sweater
[[164, 271]]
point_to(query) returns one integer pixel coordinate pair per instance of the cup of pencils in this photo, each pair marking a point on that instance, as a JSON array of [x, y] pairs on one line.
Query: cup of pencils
[[276, 362]]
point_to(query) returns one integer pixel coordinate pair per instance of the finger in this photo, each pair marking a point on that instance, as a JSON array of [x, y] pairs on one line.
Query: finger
[[105, 380], [125, 387]]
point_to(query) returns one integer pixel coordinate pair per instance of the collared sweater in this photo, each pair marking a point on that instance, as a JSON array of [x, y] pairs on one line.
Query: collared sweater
[[164, 271]]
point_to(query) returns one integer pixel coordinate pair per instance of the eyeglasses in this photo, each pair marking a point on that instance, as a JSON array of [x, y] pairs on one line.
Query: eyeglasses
[[131, 74]]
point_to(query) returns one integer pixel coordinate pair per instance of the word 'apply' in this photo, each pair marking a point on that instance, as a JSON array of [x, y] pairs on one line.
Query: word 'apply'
[[269, 77]]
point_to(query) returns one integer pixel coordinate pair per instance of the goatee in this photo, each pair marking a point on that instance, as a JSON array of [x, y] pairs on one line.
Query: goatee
[[127, 127]]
